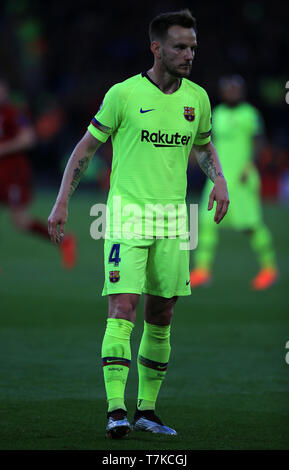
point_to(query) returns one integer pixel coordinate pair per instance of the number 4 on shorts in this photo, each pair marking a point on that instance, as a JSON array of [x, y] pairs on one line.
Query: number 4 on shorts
[[114, 254]]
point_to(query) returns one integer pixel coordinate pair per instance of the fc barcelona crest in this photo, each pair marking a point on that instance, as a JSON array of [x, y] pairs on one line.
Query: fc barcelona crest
[[189, 113], [114, 276]]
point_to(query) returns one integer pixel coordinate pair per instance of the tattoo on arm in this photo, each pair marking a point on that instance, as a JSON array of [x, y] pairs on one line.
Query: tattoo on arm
[[207, 164], [78, 172]]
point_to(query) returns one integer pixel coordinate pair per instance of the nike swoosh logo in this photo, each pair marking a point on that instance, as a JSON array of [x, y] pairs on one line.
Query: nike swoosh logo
[[146, 110], [187, 283]]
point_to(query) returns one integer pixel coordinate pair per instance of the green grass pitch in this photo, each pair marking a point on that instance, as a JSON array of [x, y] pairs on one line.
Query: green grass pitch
[[227, 385]]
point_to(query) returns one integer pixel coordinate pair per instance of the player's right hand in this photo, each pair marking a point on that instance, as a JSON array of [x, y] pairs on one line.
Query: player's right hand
[[56, 222]]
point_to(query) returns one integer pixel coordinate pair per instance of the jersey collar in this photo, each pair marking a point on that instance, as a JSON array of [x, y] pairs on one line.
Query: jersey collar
[[144, 74]]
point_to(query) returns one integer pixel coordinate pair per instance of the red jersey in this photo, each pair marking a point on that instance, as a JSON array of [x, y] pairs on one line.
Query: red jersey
[[11, 122], [15, 171]]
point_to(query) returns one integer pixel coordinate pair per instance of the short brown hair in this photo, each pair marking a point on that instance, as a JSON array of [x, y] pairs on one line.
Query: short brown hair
[[159, 26]]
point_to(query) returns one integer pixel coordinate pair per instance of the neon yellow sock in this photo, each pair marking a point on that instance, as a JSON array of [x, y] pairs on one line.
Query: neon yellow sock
[[262, 244], [153, 358], [116, 357]]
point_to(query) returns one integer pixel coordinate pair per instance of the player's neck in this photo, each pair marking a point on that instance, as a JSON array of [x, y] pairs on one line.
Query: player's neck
[[233, 104], [166, 82]]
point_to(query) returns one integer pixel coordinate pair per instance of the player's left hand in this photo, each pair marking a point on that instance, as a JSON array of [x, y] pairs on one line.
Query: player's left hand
[[56, 223], [219, 194]]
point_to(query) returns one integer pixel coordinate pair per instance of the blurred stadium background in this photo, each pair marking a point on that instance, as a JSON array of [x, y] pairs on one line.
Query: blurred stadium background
[[59, 59]]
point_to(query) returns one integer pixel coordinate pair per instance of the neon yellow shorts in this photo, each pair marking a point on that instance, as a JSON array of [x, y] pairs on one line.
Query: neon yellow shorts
[[153, 266]]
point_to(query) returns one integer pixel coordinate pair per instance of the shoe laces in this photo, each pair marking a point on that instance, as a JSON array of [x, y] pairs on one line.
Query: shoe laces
[[117, 414], [148, 414]]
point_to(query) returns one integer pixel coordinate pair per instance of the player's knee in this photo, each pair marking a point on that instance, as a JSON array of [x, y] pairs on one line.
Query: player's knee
[[161, 318], [160, 311], [164, 317], [123, 306]]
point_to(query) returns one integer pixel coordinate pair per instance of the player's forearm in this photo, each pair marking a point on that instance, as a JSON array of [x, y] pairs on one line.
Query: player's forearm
[[75, 168], [208, 160]]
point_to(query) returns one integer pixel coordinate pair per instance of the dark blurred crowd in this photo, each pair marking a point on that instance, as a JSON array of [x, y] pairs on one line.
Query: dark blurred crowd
[[60, 57]]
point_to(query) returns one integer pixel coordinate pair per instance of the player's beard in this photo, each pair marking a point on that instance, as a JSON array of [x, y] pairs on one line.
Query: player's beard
[[174, 71]]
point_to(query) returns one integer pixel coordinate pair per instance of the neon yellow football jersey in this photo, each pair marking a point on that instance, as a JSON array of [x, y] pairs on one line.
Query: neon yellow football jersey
[[233, 132], [152, 134]]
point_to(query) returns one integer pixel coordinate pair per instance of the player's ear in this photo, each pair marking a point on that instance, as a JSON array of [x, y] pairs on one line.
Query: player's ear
[[156, 49]]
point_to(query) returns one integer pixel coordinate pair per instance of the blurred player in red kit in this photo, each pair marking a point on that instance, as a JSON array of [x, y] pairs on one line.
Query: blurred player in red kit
[[17, 136]]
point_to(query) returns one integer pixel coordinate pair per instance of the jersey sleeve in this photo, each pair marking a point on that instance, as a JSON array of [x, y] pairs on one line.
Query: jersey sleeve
[[203, 135], [108, 118]]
